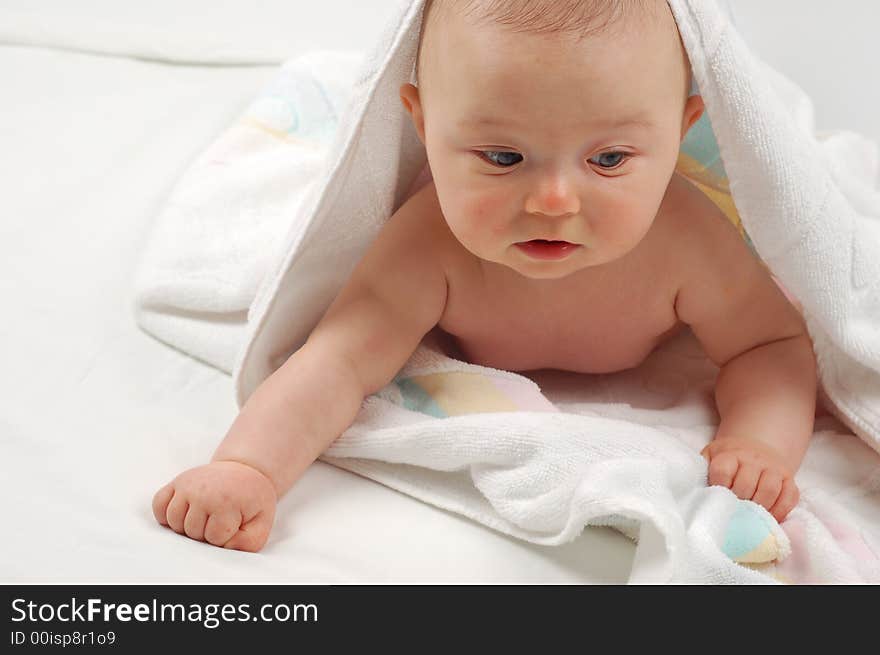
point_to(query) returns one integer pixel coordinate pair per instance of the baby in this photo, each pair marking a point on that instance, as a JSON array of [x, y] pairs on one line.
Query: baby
[[555, 234]]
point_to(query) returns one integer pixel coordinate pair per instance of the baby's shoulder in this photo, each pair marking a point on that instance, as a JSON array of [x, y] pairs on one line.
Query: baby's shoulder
[[695, 228], [402, 271], [418, 231]]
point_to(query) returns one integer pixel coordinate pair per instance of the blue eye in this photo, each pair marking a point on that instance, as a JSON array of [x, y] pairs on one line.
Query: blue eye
[[502, 159], [609, 160]]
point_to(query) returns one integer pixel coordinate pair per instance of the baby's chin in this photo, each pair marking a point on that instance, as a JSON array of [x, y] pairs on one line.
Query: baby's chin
[[544, 270], [546, 275], [547, 271]]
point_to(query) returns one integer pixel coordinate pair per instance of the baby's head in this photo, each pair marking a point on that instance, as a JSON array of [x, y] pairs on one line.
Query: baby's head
[[555, 120]]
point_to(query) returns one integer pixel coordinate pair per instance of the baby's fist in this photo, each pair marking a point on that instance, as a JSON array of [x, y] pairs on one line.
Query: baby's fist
[[753, 471], [227, 504]]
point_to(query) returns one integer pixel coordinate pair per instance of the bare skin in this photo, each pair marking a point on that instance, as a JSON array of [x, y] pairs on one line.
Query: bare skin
[[518, 154]]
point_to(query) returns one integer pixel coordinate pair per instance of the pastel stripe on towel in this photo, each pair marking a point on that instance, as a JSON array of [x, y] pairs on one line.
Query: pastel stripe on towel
[[456, 393], [749, 538]]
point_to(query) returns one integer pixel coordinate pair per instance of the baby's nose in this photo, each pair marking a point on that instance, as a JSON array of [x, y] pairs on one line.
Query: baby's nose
[[553, 197]]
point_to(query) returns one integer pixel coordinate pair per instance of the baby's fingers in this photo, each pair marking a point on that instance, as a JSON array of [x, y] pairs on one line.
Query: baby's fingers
[[160, 503], [769, 488], [746, 481], [787, 500], [221, 526], [194, 523], [252, 535], [176, 512], [722, 469]]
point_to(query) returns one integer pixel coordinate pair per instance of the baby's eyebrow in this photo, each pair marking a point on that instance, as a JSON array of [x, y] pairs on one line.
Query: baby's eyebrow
[[625, 122], [483, 121], [613, 123]]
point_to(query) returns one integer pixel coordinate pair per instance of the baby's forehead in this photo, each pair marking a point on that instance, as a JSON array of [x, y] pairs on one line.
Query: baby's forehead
[[569, 21], [484, 31], [555, 17]]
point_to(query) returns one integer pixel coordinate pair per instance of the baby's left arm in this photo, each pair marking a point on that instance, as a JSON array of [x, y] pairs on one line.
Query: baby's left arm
[[766, 389]]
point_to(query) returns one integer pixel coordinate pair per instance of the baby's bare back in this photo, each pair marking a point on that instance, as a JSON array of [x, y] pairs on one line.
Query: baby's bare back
[[597, 320]]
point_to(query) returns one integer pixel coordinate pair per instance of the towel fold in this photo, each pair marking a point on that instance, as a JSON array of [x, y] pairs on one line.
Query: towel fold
[[217, 236]]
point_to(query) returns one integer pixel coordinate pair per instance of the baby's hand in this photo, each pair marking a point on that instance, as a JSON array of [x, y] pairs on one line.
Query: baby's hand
[[753, 471], [227, 504]]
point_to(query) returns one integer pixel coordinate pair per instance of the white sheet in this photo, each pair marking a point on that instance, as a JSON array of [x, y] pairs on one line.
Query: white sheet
[[195, 31]]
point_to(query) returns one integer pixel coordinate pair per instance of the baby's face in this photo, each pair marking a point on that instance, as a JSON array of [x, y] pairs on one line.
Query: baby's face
[[541, 137]]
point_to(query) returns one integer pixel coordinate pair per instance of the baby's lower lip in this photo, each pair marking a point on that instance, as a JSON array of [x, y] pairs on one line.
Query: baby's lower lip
[[547, 250]]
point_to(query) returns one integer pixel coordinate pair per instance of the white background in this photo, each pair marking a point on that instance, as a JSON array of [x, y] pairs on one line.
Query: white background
[[830, 49]]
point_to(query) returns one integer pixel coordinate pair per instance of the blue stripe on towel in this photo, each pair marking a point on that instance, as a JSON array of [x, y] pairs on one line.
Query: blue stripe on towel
[[746, 531], [701, 144], [417, 399]]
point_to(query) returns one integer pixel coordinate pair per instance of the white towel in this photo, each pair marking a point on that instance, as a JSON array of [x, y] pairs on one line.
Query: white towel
[[216, 236], [529, 469], [542, 475]]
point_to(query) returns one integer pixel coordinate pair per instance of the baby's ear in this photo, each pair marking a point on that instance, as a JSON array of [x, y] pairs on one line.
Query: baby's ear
[[409, 96], [693, 110]]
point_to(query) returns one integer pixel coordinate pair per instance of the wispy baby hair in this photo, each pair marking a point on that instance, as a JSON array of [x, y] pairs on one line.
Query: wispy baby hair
[[576, 18]]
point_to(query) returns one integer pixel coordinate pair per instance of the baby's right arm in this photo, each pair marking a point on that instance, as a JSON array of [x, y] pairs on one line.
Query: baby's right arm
[[395, 295]]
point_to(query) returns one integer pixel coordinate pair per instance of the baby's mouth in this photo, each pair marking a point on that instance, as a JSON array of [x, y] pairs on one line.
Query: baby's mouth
[[546, 249]]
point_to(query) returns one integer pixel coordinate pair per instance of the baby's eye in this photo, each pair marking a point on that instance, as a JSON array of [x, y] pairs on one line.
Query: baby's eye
[[501, 158], [609, 160]]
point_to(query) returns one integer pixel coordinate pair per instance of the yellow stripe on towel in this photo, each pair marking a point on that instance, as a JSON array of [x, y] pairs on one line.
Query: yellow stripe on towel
[[715, 188], [460, 392], [766, 551]]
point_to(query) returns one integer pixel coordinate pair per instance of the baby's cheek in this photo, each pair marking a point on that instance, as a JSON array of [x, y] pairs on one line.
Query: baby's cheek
[[486, 214], [631, 221]]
